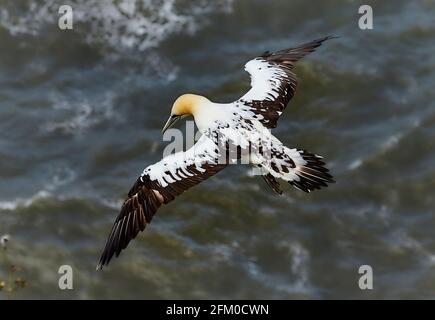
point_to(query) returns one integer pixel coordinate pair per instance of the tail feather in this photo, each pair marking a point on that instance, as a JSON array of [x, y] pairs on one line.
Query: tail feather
[[272, 183], [301, 169], [312, 174]]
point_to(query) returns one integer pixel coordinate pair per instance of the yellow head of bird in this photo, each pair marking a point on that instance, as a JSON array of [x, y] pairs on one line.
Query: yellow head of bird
[[185, 105]]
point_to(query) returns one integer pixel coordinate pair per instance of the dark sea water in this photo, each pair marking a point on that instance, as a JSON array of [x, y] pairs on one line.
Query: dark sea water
[[81, 114]]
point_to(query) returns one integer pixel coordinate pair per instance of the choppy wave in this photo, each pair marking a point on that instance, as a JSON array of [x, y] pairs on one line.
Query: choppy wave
[[138, 24], [21, 202], [386, 144], [11, 205], [79, 115], [59, 176], [300, 261], [99, 95]]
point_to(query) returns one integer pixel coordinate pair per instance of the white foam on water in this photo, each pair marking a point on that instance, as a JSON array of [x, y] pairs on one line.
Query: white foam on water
[[59, 186], [111, 203], [401, 240], [20, 202], [277, 282], [81, 120], [299, 267], [387, 144], [355, 164], [138, 24], [62, 175], [84, 114], [11, 205]]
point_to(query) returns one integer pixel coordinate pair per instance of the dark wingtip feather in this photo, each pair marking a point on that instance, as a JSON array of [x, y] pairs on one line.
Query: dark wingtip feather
[[141, 205], [321, 40], [288, 57], [331, 36], [312, 45]]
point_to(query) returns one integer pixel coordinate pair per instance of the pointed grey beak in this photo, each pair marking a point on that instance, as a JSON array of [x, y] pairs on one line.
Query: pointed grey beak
[[171, 121]]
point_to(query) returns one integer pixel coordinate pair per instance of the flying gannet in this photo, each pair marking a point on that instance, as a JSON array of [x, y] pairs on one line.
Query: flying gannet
[[244, 124]]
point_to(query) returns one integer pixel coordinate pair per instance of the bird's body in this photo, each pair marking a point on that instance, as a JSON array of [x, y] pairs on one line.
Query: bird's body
[[231, 132]]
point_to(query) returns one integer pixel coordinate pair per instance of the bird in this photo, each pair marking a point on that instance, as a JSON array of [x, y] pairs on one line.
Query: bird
[[230, 133]]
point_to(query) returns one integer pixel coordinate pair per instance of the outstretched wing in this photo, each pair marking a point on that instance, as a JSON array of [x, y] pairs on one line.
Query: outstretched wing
[[159, 184], [273, 82]]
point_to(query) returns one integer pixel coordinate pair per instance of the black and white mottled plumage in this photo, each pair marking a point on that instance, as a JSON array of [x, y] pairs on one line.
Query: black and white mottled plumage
[[230, 132], [273, 81]]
